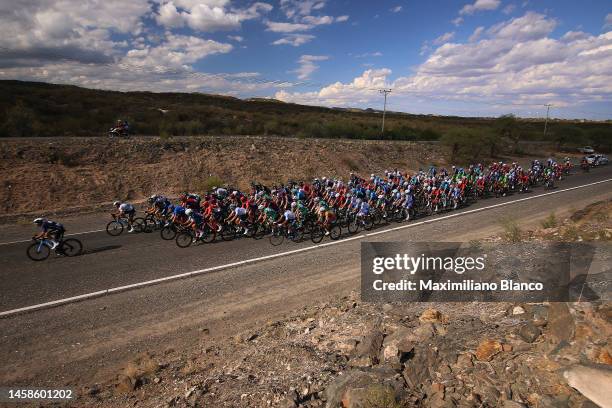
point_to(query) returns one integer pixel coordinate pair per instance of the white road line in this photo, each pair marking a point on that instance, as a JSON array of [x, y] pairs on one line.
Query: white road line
[[67, 235], [273, 256]]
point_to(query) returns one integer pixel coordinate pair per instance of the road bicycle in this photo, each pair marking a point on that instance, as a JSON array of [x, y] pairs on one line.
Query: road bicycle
[[41, 248], [318, 232], [280, 232], [116, 227], [187, 237]]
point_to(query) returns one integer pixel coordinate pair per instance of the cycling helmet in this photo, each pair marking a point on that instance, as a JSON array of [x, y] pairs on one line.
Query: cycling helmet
[[261, 207], [188, 212], [153, 198], [116, 203], [232, 207], [380, 196], [337, 195], [293, 204], [316, 199], [38, 221]]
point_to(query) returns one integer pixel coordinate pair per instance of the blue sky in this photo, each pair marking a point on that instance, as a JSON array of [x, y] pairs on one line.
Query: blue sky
[[472, 57]]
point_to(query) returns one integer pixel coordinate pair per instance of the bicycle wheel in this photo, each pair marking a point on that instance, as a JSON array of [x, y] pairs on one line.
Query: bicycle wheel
[[335, 232], [71, 247], [114, 228], [317, 234], [367, 223], [228, 233], [259, 232], [36, 254], [353, 226], [168, 232], [184, 239], [277, 237], [139, 224], [298, 234], [150, 223], [208, 235]]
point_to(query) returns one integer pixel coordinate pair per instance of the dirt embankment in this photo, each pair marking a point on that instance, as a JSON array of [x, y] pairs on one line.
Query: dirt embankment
[[62, 173]]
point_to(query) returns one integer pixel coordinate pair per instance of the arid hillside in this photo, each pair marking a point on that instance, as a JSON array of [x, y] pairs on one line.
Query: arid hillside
[[64, 173]]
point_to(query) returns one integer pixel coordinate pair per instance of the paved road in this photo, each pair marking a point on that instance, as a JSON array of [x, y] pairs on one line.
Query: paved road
[[116, 261], [86, 342]]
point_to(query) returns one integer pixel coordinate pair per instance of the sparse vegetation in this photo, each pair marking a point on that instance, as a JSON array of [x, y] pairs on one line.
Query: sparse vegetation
[[512, 231], [39, 109], [379, 396], [550, 221]]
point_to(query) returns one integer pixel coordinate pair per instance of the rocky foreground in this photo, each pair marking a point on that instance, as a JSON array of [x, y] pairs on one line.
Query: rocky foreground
[[353, 354], [360, 355]]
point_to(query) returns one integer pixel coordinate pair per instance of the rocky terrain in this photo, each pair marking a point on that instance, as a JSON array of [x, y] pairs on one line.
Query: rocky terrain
[[351, 354], [80, 173]]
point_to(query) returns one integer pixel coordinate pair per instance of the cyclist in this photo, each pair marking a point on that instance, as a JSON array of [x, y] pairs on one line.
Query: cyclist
[[124, 210], [195, 221], [288, 218], [51, 230]]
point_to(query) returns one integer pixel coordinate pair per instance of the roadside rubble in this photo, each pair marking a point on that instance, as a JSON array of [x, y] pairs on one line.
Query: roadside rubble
[[351, 354]]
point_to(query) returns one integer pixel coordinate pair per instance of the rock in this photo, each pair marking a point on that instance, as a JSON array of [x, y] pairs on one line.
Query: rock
[[396, 346], [157, 380], [125, 384], [287, 402], [417, 369], [387, 307], [593, 382], [487, 349], [529, 332], [367, 351], [353, 388], [517, 310], [512, 404], [539, 315], [433, 316], [465, 360], [560, 322]]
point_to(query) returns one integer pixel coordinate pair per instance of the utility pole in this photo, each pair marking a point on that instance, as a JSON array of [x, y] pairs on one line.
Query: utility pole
[[548, 105], [385, 92]]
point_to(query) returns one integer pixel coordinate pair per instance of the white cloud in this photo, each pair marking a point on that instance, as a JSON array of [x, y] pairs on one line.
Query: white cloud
[[396, 9], [476, 34], [480, 5], [342, 19], [444, 38], [278, 27], [457, 22], [207, 15], [574, 36], [236, 38], [300, 8], [359, 91], [308, 66], [515, 62], [369, 54], [294, 39], [178, 51], [314, 21], [608, 21]]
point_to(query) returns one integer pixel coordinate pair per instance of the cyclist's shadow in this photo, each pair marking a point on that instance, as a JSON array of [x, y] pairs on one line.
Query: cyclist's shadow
[[99, 249]]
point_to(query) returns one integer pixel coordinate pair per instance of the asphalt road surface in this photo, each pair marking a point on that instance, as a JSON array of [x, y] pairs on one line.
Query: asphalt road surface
[[86, 340], [110, 262]]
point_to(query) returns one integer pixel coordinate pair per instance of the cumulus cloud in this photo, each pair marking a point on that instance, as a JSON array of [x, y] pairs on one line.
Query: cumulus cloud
[[236, 38], [342, 19], [480, 5], [278, 27], [207, 15], [178, 51], [308, 65], [294, 39], [321, 20], [457, 21], [396, 9], [359, 91], [516, 62], [509, 9]]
